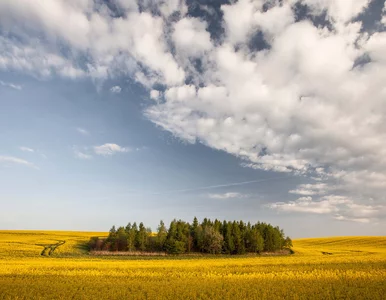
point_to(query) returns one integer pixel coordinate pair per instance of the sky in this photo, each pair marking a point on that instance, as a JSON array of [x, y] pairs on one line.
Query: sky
[[120, 111]]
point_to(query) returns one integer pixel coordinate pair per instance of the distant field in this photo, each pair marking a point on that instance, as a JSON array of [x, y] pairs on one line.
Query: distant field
[[321, 268], [19, 243]]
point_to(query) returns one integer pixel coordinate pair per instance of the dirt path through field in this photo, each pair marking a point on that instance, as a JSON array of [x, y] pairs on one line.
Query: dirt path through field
[[50, 248]]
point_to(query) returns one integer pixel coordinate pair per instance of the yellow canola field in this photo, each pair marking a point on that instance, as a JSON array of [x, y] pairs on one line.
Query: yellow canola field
[[350, 268]]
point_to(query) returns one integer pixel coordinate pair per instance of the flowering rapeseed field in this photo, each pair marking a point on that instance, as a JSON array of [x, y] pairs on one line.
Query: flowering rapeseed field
[[322, 268]]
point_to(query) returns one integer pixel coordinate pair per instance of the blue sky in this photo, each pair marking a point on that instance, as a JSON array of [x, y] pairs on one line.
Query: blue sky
[[172, 109]]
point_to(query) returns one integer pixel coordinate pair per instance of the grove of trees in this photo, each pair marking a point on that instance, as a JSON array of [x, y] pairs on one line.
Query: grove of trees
[[213, 237]]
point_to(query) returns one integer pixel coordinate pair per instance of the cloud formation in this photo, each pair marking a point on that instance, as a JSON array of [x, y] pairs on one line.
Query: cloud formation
[[115, 89], [11, 85], [81, 154], [228, 195], [26, 149], [310, 189], [82, 131], [283, 91], [110, 149], [6, 160], [342, 208]]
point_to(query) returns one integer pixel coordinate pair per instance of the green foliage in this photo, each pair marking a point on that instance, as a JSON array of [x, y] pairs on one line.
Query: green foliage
[[212, 240], [141, 238], [229, 245], [208, 236], [131, 232], [162, 234], [288, 242]]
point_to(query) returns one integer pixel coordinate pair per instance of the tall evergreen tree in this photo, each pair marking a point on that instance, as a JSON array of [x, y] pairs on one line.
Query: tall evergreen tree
[[161, 236], [113, 231], [112, 239], [241, 248], [257, 241], [229, 245], [141, 237], [128, 228], [131, 235], [200, 238], [217, 225], [237, 239], [121, 238], [170, 243], [193, 234], [269, 239]]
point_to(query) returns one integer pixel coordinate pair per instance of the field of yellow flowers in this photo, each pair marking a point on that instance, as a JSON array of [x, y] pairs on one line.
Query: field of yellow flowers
[[322, 268]]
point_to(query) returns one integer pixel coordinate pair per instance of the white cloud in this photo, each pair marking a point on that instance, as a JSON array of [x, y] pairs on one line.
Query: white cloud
[[154, 94], [26, 149], [274, 21], [292, 107], [128, 5], [168, 7], [238, 19], [306, 204], [110, 149], [112, 45], [116, 89], [81, 152], [343, 208], [226, 195], [34, 59], [310, 189], [359, 220], [82, 131], [81, 155], [11, 85], [5, 160], [302, 105], [339, 11], [191, 37]]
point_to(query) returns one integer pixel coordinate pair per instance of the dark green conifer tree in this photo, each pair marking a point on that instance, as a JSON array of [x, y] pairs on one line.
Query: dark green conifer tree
[[161, 236]]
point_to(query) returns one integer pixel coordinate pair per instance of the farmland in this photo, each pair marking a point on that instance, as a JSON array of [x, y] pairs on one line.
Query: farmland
[[321, 268]]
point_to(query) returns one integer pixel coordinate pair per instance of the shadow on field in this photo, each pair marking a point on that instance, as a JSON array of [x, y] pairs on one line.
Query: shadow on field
[[82, 246]]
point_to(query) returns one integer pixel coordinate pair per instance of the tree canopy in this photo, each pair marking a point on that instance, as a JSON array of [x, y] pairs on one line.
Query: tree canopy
[[215, 237]]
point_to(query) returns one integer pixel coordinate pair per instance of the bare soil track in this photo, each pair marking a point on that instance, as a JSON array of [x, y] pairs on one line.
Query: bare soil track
[[50, 248]]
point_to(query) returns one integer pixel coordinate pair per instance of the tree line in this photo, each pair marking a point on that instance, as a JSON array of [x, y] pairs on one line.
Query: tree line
[[215, 237]]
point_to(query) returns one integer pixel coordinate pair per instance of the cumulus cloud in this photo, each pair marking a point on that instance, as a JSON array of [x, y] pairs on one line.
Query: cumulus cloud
[[154, 94], [7, 160], [343, 208], [281, 91], [305, 204], [310, 189], [34, 59], [116, 89], [226, 195], [359, 220], [110, 149], [191, 38], [338, 11]]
